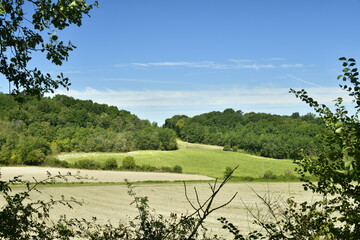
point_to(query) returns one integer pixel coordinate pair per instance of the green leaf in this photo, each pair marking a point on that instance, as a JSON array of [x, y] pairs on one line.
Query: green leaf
[[342, 59], [348, 165], [339, 130]]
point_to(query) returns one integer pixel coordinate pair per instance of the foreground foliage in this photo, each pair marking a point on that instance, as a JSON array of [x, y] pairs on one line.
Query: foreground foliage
[[24, 25], [337, 214], [23, 218]]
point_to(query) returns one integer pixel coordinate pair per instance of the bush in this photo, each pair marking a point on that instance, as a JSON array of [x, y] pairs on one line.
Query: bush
[[51, 161], [227, 148], [177, 169], [148, 168], [247, 178], [35, 157], [165, 169], [87, 164], [235, 148], [110, 164], [269, 175], [128, 163], [289, 175], [54, 162]]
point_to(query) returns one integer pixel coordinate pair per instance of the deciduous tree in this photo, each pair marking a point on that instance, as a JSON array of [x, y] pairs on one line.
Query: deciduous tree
[[28, 27]]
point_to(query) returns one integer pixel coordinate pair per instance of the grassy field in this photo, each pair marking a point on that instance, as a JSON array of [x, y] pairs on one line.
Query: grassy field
[[196, 159]]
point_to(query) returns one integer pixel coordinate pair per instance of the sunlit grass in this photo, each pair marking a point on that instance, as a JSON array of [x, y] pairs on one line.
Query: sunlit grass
[[197, 160]]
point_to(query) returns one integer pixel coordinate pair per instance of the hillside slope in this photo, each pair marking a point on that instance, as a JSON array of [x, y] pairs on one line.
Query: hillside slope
[[267, 135], [36, 128], [196, 159]]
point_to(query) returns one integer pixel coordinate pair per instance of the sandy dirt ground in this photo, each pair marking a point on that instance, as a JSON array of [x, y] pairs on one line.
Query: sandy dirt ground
[[111, 202], [182, 144], [39, 173]]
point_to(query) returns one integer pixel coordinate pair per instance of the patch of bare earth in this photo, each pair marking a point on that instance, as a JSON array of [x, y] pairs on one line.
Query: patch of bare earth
[[182, 144], [113, 203], [29, 173]]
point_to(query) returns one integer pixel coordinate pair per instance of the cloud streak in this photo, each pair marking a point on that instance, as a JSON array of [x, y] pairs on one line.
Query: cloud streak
[[303, 81], [134, 80], [157, 105], [230, 64], [192, 98]]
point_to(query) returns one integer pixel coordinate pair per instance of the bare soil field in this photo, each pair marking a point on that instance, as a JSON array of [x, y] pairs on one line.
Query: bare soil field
[[113, 203], [182, 144], [75, 155], [29, 173]]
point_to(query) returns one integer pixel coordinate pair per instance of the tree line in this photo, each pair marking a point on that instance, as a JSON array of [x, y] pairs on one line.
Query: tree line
[[263, 134], [39, 127]]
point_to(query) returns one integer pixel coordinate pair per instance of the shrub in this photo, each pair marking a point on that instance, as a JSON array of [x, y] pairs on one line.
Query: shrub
[[128, 163], [35, 157], [51, 161], [289, 175], [269, 175], [110, 164], [64, 164], [247, 178], [148, 168], [177, 169], [165, 169], [87, 164], [54, 162], [227, 148], [235, 148]]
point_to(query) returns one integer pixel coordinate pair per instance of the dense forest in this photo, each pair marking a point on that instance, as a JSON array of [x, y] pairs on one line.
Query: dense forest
[[263, 134], [36, 128]]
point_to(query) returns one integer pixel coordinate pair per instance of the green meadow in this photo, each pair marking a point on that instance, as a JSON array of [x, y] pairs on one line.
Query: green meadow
[[196, 159]]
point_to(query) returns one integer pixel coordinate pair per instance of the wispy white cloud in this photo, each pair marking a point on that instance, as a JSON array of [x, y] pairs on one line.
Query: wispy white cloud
[[296, 65], [134, 80], [273, 59], [241, 60], [157, 105], [303, 81], [204, 64], [164, 64], [229, 64], [272, 97]]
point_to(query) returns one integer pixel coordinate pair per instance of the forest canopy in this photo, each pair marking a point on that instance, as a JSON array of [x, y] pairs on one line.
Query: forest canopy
[[264, 134], [37, 128]]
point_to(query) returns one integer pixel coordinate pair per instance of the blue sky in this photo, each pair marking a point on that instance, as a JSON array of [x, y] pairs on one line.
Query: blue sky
[[158, 58]]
